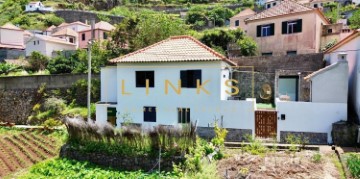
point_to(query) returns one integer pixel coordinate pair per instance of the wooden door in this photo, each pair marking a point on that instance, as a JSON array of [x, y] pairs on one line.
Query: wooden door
[[265, 123]]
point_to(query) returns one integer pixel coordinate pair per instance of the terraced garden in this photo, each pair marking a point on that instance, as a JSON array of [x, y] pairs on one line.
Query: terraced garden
[[21, 149]]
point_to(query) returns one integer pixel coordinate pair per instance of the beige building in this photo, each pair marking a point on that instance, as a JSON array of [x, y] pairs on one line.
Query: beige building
[[11, 37], [286, 29], [238, 21]]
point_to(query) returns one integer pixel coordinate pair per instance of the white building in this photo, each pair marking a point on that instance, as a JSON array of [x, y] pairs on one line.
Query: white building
[[37, 6], [348, 48], [165, 101], [75, 26], [47, 45]]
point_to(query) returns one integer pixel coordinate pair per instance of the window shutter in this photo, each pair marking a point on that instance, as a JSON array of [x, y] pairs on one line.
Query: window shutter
[[272, 29], [258, 31], [197, 76], [146, 113], [299, 25], [183, 78], [284, 27], [187, 115], [179, 115], [150, 75], [153, 114], [237, 22]]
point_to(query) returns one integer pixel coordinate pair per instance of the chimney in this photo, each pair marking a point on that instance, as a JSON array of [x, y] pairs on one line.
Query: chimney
[[342, 56]]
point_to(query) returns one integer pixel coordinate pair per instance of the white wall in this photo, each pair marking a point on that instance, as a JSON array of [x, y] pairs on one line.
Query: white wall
[[204, 108], [309, 117], [331, 86], [101, 113], [52, 46], [41, 47], [109, 87], [353, 58]]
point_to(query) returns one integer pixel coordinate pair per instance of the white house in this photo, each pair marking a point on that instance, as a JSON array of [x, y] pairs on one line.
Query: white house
[[348, 48], [37, 6], [186, 82], [47, 45], [68, 35], [75, 26]]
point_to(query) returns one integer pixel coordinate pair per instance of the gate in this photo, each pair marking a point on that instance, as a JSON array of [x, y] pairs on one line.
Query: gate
[[265, 124]]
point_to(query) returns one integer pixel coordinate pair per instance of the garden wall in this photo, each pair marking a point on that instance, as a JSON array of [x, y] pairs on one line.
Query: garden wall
[[11, 54], [83, 16], [18, 95], [128, 163]]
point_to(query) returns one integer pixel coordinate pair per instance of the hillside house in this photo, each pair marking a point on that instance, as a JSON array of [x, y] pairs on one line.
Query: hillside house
[[288, 28], [102, 32], [11, 42], [68, 35], [37, 6], [47, 45], [238, 21], [174, 68], [75, 26], [348, 48]]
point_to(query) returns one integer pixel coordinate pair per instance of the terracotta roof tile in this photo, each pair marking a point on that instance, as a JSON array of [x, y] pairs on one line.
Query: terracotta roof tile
[[12, 46], [285, 7], [245, 12], [10, 26], [102, 26], [65, 32], [174, 49], [52, 39]]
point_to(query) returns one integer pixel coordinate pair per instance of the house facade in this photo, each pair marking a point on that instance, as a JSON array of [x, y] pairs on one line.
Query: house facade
[[348, 48], [68, 35], [11, 42], [75, 26], [37, 6], [238, 21], [174, 69], [47, 45], [102, 32], [286, 29]]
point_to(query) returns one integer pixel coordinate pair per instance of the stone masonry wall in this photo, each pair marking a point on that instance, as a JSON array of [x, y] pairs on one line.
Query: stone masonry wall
[[128, 163], [234, 135], [18, 95], [83, 16], [253, 72], [11, 54]]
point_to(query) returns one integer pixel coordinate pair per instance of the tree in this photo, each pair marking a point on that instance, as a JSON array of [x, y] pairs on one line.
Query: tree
[[355, 20], [247, 46], [60, 64], [196, 16], [38, 61], [220, 14]]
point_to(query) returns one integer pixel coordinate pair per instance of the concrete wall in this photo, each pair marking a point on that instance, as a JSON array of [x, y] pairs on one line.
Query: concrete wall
[[309, 117], [331, 85], [109, 87], [52, 46], [353, 58], [83, 16], [307, 41]]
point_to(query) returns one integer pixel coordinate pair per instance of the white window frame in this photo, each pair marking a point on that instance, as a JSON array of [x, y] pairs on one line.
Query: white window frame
[[265, 28], [290, 25]]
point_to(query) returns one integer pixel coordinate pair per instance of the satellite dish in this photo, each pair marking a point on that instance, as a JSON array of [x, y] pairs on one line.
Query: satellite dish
[[265, 92]]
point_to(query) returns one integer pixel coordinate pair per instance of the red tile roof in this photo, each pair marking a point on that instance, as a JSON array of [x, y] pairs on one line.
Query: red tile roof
[[174, 49]]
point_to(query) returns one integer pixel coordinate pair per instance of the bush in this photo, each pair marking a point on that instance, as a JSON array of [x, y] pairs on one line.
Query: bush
[[316, 158], [38, 61], [78, 91], [248, 46], [60, 64], [353, 163], [354, 20], [6, 68], [55, 104]]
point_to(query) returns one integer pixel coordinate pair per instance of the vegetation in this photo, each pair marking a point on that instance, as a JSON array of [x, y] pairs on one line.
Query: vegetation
[[58, 168], [353, 164], [355, 20], [6, 68]]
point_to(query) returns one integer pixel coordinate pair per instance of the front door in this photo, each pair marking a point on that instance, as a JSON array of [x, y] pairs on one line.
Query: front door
[[265, 123]]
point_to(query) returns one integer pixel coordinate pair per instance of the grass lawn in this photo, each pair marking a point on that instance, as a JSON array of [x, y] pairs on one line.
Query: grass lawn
[[265, 106]]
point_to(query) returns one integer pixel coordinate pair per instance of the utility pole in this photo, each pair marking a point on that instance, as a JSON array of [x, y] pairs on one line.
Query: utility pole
[[89, 68]]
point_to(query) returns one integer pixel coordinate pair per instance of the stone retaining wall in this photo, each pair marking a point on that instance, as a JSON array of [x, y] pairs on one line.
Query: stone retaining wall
[[234, 135], [83, 16], [313, 138], [344, 133], [128, 163]]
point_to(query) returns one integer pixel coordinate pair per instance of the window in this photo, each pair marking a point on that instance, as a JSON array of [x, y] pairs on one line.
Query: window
[[268, 6], [83, 37], [237, 22], [266, 54], [274, 4], [265, 30], [105, 35], [71, 40], [291, 52], [189, 78], [315, 6], [149, 114], [34, 42], [329, 31], [38, 42], [142, 76], [290, 27], [183, 115]]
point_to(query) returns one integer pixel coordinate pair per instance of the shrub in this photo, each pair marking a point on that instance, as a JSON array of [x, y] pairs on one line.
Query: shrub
[[55, 104], [255, 147], [353, 163], [38, 61], [316, 158], [51, 122], [78, 91], [220, 135], [60, 64], [6, 68]]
